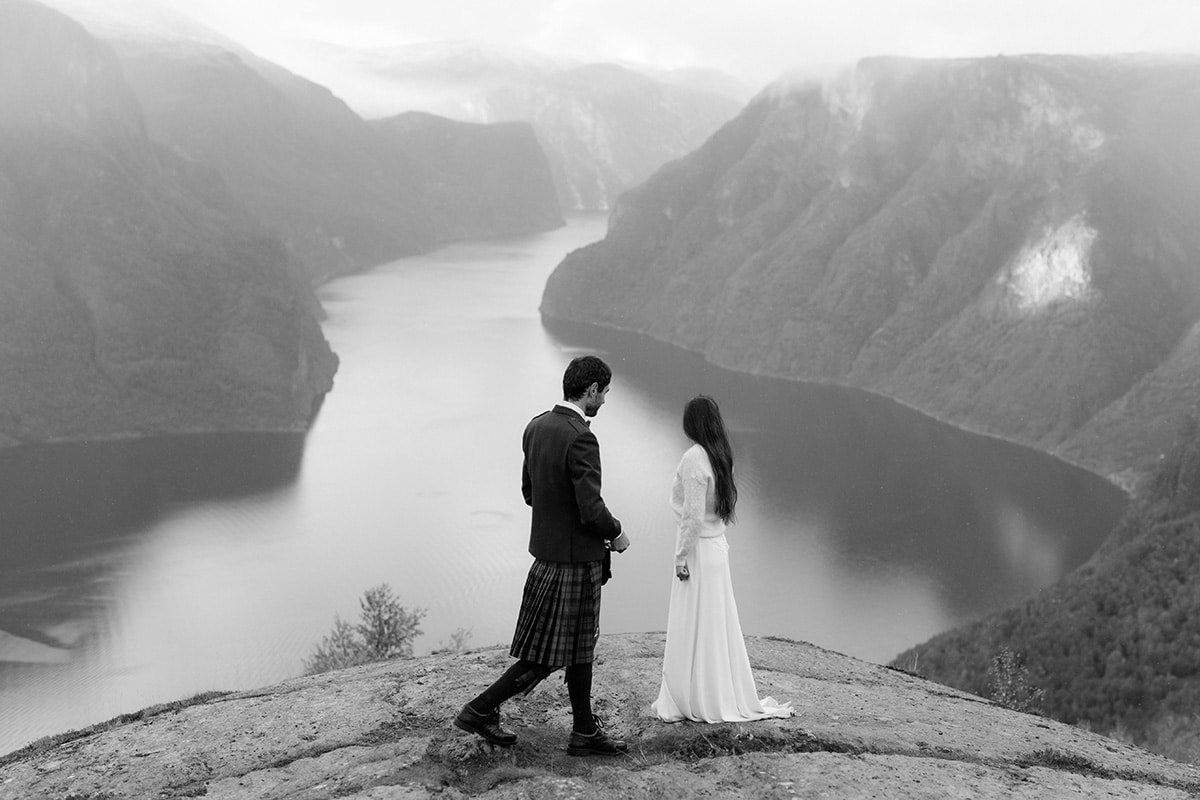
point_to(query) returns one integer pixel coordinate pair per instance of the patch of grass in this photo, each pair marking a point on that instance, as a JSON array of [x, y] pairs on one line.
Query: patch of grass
[[1051, 758], [49, 743], [783, 639], [712, 742]]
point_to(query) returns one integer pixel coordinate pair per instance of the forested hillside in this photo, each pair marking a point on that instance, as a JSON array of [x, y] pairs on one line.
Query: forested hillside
[[1116, 644], [478, 181], [342, 196], [1005, 243], [136, 294]]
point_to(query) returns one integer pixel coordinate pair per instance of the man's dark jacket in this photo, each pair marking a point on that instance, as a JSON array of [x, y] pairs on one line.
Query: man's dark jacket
[[561, 481]]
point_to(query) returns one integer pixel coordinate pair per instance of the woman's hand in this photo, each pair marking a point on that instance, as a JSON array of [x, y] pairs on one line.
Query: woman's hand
[[681, 572]]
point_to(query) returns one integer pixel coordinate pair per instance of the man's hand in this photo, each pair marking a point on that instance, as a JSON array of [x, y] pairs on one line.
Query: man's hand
[[619, 544], [681, 572]]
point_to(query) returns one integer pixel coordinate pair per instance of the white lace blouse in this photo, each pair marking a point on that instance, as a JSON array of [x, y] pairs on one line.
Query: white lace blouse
[[693, 499]]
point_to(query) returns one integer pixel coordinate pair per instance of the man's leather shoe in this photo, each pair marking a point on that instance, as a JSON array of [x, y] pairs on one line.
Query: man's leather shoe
[[597, 744], [485, 725]]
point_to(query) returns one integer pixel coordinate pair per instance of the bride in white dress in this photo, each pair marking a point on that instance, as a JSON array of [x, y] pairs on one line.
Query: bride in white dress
[[706, 673]]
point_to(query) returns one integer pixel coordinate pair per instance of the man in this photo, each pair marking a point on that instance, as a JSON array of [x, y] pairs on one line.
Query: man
[[571, 536]]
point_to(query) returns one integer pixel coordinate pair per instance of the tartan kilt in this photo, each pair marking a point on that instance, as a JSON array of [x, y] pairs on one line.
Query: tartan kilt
[[559, 620]]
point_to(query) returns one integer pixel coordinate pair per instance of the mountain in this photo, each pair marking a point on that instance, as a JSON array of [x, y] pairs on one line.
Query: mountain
[[340, 196], [136, 294], [481, 179], [1006, 243], [604, 127], [1116, 644], [298, 157], [701, 79], [383, 731]]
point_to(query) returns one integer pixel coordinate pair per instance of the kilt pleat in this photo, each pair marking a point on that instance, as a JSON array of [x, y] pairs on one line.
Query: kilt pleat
[[559, 619]]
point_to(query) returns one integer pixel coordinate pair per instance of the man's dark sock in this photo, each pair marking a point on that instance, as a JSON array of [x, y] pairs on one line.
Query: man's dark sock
[[520, 677], [579, 688]]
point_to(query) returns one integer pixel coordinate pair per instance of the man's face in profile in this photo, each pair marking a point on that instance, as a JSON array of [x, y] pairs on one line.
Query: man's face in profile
[[594, 398]]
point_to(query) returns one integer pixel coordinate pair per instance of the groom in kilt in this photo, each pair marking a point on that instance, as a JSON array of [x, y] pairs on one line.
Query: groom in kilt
[[571, 538]]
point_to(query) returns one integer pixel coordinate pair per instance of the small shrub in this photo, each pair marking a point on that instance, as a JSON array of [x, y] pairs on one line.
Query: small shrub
[[1008, 683], [1051, 758], [385, 630]]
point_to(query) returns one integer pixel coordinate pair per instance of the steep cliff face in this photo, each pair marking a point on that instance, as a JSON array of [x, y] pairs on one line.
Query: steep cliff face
[[136, 295], [606, 128], [1004, 243], [481, 180]]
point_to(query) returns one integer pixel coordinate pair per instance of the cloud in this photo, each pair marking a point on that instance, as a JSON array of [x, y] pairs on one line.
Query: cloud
[[756, 40]]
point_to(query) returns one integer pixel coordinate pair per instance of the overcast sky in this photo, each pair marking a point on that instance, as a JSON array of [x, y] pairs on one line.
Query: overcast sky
[[756, 40]]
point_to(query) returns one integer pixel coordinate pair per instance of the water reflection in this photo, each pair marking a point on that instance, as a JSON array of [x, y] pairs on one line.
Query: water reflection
[[881, 491], [71, 512]]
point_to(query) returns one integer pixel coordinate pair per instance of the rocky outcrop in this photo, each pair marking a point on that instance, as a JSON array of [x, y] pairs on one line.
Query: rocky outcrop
[[1003, 243], [384, 731], [136, 294]]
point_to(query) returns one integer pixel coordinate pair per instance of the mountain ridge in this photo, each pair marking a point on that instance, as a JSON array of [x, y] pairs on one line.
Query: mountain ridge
[[138, 295], [604, 126], [968, 236]]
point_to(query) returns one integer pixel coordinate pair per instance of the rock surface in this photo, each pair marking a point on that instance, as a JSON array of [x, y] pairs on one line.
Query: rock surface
[[384, 731]]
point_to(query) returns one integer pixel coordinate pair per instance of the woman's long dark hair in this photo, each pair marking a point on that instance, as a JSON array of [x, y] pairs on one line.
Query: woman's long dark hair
[[703, 425]]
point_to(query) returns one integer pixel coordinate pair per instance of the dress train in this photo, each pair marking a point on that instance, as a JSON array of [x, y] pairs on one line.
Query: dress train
[[706, 669]]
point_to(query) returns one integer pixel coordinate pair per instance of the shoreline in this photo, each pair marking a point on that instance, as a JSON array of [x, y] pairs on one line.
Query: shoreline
[[1126, 487]]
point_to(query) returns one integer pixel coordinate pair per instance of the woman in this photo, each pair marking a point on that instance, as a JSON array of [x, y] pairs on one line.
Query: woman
[[706, 671]]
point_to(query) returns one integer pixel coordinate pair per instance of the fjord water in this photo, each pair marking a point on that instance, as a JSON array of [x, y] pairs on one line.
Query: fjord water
[[138, 572]]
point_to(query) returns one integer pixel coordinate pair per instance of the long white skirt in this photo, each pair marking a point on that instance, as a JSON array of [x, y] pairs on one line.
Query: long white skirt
[[706, 670]]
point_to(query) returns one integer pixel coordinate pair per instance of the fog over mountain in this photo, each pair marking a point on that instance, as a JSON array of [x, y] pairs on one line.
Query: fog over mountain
[[1004, 243], [138, 294], [341, 197], [605, 127], [168, 200]]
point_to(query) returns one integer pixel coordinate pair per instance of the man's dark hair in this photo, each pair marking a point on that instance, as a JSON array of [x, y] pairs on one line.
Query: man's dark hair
[[581, 373]]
